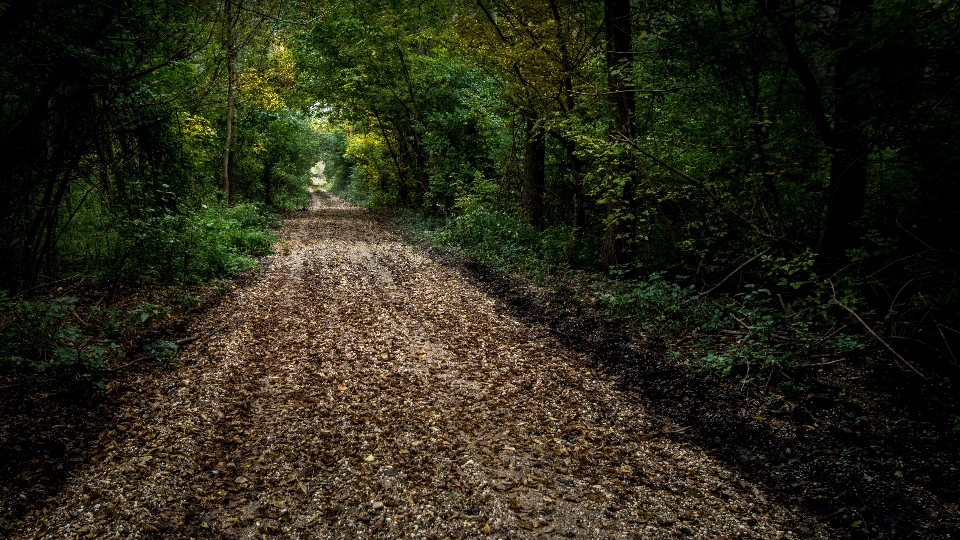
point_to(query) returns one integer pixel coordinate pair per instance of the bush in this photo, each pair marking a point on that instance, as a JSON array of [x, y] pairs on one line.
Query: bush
[[213, 242], [656, 305], [47, 336], [38, 336], [751, 333], [225, 240], [493, 236]]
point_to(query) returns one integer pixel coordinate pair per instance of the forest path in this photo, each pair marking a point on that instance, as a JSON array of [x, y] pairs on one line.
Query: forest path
[[357, 389]]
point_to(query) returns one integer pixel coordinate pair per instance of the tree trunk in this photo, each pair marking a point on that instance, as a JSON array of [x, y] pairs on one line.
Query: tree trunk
[[845, 139], [576, 198], [569, 143], [617, 22], [267, 180], [229, 47], [403, 197], [848, 168], [534, 171]]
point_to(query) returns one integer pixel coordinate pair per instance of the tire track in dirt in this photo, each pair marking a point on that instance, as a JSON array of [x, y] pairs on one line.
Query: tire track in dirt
[[357, 389]]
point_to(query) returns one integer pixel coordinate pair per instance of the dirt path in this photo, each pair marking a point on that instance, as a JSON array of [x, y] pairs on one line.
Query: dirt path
[[357, 389]]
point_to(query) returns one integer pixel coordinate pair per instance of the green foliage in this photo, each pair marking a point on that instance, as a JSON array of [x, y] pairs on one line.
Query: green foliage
[[145, 316], [752, 333], [168, 245], [43, 336], [221, 241], [337, 164], [57, 337], [658, 305], [277, 150], [162, 350], [493, 236], [114, 119]]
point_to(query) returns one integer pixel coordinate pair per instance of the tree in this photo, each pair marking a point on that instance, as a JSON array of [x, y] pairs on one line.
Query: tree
[[230, 52], [618, 26]]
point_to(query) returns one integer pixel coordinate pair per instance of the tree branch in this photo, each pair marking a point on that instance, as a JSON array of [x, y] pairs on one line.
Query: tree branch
[[872, 333], [738, 269], [702, 186]]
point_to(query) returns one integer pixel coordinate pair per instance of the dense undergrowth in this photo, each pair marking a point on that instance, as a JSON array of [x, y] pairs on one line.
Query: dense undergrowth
[[150, 148], [752, 336], [706, 185], [192, 245], [178, 258]]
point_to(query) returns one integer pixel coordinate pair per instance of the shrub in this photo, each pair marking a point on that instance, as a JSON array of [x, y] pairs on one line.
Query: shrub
[[227, 239], [751, 333], [39, 336], [47, 336], [212, 242]]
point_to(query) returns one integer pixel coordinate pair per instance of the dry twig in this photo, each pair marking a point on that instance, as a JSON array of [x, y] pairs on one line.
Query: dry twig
[[874, 334]]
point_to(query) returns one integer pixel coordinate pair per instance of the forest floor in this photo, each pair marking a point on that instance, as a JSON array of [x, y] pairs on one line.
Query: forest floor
[[359, 388]]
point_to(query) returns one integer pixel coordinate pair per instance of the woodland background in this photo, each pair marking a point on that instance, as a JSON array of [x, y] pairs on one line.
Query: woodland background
[[771, 183], [760, 195]]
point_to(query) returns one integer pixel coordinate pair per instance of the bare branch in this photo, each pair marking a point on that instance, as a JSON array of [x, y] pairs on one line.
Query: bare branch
[[945, 342], [874, 334], [738, 269], [702, 186], [823, 363]]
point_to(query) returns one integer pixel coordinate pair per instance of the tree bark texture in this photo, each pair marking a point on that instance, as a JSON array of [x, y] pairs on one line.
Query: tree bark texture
[[619, 33], [844, 138], [617, 23], [534, 173], [267, 180], [231, 59], [846, 192]]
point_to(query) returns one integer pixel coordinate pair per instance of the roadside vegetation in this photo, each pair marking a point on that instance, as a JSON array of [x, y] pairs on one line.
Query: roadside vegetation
[[150, 152], [700, 178], [751, 206]]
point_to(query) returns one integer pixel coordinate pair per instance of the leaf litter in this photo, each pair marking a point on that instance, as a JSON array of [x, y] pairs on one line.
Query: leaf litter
[[357, 389]]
